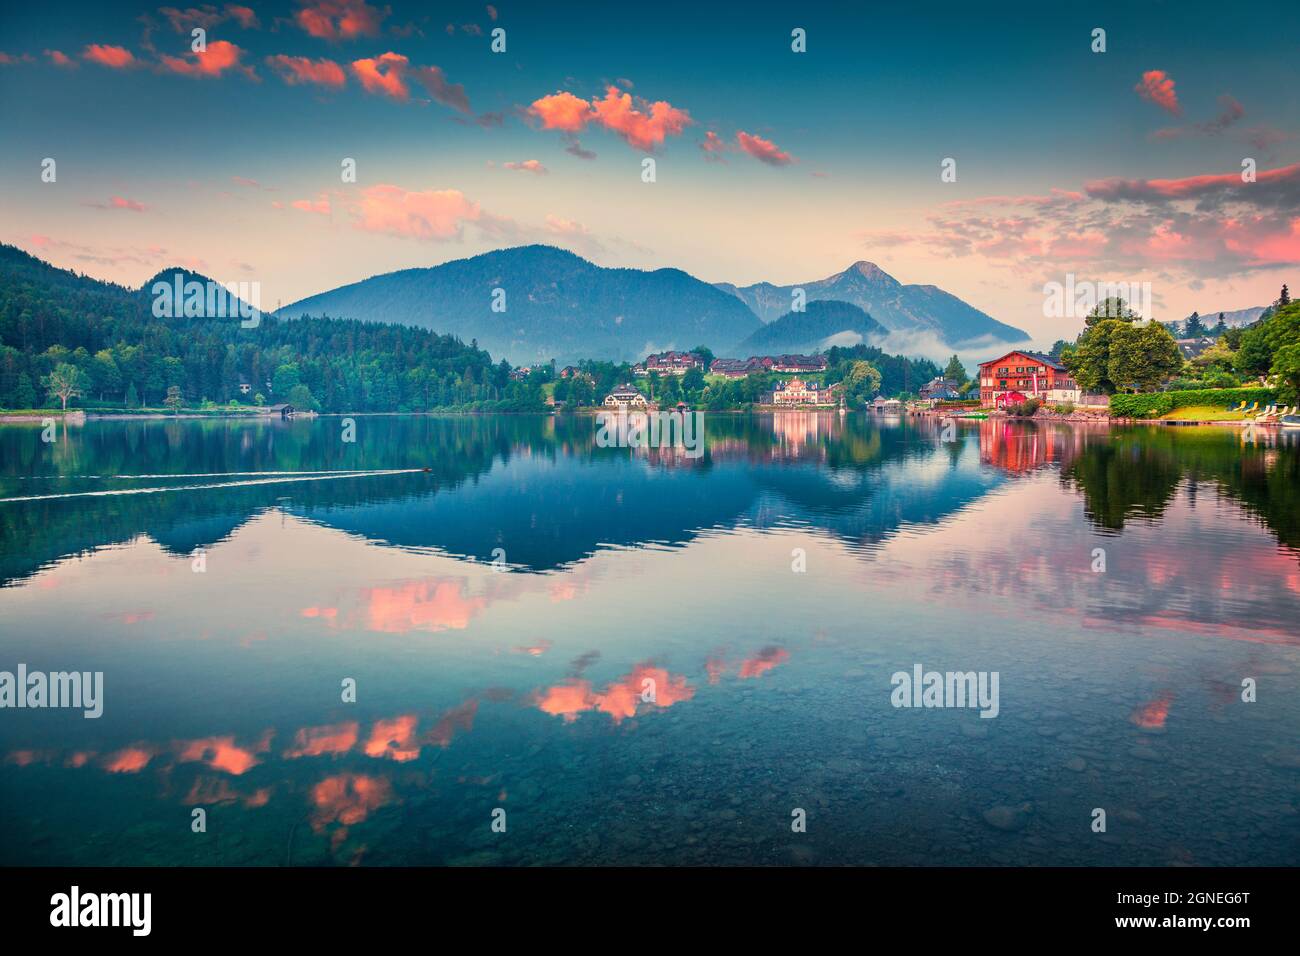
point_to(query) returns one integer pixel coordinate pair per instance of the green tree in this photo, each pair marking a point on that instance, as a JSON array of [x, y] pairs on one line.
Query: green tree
[[1194, 328], [861, 383], [104, 373], [1262, 340], [1110, 308], [300, 396], [1142, 357], [285, 378], [65, 382], [24, 394], [956, 370], [1089, 358], [173, 399], [1286, 366], [132, 397]]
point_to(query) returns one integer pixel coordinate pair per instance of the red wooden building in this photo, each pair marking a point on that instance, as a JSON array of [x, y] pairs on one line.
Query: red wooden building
[[1019, 375]]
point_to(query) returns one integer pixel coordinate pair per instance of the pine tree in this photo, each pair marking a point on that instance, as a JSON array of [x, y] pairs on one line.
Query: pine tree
[[132, 399], [1285, 297]]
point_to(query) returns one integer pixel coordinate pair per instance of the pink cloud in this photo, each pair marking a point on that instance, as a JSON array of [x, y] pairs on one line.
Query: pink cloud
[[113, 57], [448, 94], [562, 111], [1158, 87], [59, 58], [765, 151], [714, 146], [384, 74], [220, 56], [1284, 180], [568, 228], [296, 70], [571, 114], [638, 129], [130, 205], [527, 166], [321, 206], [341, 19], [432, 214], [243, 15]]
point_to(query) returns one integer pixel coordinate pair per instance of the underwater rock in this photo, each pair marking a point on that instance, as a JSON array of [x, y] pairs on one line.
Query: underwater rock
[[1009, 819]]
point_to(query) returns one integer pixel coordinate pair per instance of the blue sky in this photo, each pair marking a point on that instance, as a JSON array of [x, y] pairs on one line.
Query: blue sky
[[822, 158]]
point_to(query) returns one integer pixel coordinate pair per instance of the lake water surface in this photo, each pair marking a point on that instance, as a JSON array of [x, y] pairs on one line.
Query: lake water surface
[[505, 593]]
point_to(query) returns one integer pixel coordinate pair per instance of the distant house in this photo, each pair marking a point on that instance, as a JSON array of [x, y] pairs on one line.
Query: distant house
[[798, 392], [520, 374], [1194, 347], [799, 364], [670, 363], [284, 410], [887, 406], [941, 389], [1027, 375], [569, 371], [244, 388], [735, 368], [625, 397], [790, 364]]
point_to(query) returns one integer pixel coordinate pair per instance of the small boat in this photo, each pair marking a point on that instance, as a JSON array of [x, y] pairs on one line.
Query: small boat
[[1289, 421]]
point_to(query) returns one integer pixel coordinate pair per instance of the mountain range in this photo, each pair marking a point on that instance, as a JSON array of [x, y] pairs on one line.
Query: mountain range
[[817, 327], [555, 304], [898, 307]]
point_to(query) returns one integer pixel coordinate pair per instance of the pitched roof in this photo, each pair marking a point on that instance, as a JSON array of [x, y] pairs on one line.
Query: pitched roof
[[1036, 356]]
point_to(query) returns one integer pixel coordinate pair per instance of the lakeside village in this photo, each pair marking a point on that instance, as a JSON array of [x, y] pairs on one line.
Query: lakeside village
[[1120, 367]]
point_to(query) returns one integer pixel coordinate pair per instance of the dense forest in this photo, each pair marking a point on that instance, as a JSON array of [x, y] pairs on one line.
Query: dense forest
[[101, 346], [106, 338]]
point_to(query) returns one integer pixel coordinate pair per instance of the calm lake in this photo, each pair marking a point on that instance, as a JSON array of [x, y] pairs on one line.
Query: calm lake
[[643, 657]]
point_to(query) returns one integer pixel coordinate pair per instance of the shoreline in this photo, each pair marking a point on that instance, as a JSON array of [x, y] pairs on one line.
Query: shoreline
[[80, 417]]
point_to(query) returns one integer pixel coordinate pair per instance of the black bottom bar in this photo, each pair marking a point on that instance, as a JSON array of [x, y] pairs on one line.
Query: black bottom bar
[[213, 905]]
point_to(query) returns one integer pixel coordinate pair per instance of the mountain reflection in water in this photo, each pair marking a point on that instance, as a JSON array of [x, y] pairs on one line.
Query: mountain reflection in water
[[646, 657]]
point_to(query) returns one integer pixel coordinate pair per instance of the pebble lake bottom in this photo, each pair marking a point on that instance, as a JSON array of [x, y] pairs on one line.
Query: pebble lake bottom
[[503, 615]]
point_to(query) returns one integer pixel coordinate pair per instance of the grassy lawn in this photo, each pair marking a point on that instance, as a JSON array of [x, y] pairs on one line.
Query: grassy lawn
[[1205, 413]]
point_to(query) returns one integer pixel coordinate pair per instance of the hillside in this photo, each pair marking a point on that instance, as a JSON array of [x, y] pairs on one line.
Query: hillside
[[51, 316], [898, 307], [821, 325], [557, 305]]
